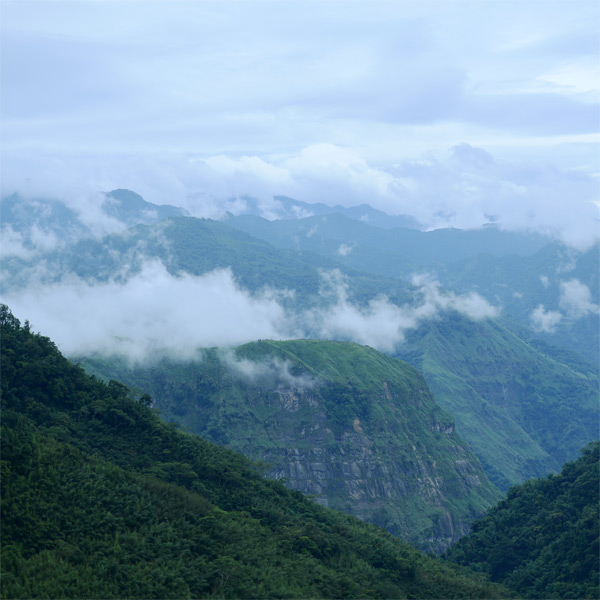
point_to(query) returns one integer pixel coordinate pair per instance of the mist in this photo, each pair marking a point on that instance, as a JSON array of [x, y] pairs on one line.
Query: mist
[[273, 372], [463, 187], [155, 313]]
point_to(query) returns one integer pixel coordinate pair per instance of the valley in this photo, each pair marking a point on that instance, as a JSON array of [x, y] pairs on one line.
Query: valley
[[375, 391]]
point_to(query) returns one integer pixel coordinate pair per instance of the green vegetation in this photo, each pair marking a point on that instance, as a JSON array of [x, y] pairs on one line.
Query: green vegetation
[[542, 540], [516, 271], [100, 499], [196, 246], [357, 429], [394, 252], [523, 412]]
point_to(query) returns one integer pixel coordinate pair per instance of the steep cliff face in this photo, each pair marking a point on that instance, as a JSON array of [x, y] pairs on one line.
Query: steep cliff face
[[358, 430]]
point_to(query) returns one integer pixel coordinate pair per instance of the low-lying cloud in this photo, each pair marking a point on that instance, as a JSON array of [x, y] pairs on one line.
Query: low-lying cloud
[[381, 323], [465, 187], [545, 320], [575, 302], [576, 299], [272, 372], [154, 312]]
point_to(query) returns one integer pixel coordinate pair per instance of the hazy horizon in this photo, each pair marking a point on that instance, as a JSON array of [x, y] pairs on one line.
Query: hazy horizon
[[455, 113]]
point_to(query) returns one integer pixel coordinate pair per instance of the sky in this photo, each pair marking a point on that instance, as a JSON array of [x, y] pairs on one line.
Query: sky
[[455, 112]]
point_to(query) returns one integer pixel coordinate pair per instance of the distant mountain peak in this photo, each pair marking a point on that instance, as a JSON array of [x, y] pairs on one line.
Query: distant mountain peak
[[130, 208]]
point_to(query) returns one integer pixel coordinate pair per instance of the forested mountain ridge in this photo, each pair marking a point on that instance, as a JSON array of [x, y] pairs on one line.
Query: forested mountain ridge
[[357, 429], [542, 540], [523, 412], [102, 499], [196, 247], [550, 288], [393, 252], [189, 246]]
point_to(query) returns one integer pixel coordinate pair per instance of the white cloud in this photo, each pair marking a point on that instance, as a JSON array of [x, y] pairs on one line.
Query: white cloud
[[13, 243], [545, 281], [576, 299], [545, 320], [272, 372], [151, 312], [578, 77], [344, 249], [575, 302], [380, 323], [154, 312]]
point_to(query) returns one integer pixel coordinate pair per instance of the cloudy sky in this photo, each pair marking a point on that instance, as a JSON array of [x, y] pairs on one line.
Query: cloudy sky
[[454, 111]]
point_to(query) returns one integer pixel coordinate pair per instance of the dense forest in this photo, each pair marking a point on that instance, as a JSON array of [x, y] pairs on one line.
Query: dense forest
[[542, 540], [101, 499]]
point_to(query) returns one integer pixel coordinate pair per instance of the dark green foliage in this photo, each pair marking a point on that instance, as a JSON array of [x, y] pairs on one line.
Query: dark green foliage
[[357, 429], [542, 540], [100, 499]]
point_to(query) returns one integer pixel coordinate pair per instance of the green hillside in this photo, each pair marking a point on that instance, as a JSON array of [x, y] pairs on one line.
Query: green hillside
[[194, 246], [355, 428], [542, 540], [515, 271], [522, 283], [100, 499], [522, 412]]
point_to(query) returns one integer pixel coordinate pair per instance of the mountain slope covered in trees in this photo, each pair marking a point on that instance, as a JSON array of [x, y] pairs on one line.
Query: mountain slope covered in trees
[[357, 429], [542, 540], [102, 499]]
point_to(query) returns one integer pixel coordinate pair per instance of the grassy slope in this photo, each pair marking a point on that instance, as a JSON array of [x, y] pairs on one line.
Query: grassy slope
[[523, 413], [101, 499]]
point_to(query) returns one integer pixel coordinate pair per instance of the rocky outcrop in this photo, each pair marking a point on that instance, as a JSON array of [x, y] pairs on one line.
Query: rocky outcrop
[[393, 484], [354, 428]]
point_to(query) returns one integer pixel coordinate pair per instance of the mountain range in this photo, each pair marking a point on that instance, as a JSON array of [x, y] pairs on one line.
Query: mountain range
[[404, 376], [102, 499]]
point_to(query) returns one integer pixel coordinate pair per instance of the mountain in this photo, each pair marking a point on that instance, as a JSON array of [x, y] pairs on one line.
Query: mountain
[[542, 540], [286, 208], [34, 226], [552, 290], [553, 293], [351, 426], [38, 224], [130, 208], [523, 412], [466, 389], [193, 246], [100, 499], [396, 252]]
